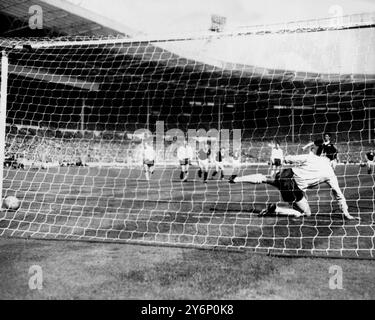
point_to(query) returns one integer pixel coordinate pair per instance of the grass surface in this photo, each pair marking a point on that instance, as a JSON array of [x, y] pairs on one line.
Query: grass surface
[[81, 270], [119, 206], [113, 204]]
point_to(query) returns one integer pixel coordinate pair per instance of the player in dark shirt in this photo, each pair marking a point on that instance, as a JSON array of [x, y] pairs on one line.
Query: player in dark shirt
[[370, 161], [329, 150], [203, 156]]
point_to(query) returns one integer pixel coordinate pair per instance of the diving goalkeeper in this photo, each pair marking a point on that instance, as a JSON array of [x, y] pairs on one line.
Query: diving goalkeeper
[[293, 183]]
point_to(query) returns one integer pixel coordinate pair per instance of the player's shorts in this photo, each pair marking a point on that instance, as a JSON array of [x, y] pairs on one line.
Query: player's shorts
[[236, 162], [184, 162], [149, 163], [276, 162], [204, 162], [290, 192]]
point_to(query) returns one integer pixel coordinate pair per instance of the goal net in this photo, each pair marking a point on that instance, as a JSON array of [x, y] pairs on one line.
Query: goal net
[[81, 111]]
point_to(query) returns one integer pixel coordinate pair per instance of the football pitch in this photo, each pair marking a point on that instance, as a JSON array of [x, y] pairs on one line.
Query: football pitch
[[119, 205]]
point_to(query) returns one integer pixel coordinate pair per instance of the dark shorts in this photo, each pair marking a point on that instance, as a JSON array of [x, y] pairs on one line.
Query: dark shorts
[[184, 162], [149, 163], [277, 162], [290, 192]]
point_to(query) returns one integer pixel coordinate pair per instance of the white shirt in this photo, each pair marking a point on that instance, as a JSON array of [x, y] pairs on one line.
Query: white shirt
[[149, 153], [312, 170], [184, 152], [277, 154]]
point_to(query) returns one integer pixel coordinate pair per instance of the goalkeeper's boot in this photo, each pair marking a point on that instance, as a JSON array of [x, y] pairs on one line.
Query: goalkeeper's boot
[[200, 173], [181, 175], [270, 209], [369, 171], [205, 176], [214, 173], [231, 179]]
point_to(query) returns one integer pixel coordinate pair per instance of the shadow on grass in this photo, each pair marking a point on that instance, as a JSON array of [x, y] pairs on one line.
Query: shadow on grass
[[211, 276]]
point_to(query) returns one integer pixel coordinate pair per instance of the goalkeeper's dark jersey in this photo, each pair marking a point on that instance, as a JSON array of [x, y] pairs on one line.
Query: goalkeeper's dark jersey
[[329, 151], [370, 156]]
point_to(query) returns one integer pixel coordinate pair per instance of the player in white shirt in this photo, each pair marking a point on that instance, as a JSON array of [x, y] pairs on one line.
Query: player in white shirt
[[148, 156], [132, 154], [236, 160], [277, 158], [311, 171], [184, 156]]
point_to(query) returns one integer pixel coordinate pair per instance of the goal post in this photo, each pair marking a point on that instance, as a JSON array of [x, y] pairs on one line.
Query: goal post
[[3, 110]]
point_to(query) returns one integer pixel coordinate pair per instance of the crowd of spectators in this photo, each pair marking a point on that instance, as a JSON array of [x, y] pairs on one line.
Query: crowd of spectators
[[65, 152], [259, 151], [82, 150]]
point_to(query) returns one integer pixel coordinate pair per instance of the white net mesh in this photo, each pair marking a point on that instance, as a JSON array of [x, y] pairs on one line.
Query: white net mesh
[[80, 109]]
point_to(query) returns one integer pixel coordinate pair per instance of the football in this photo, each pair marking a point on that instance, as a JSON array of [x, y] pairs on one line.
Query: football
[[11, 203]]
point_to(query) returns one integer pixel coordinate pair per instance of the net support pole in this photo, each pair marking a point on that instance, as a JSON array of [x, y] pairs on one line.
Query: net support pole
[[369, 123], [83, 117], [148, 111], [219, 124], [3, 106], [292, 122]]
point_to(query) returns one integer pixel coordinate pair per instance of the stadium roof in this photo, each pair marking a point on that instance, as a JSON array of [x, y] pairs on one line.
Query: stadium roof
[[59, 18], [153, 65]]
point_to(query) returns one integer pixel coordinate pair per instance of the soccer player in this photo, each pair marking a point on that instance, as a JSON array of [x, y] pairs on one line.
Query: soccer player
[[309, 171], [43, 157], [203, 156], [219, 163], [148, 156], [236, 159], [370, 161], [277, 157], [131, 159], [329, 150], [184, 156]]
